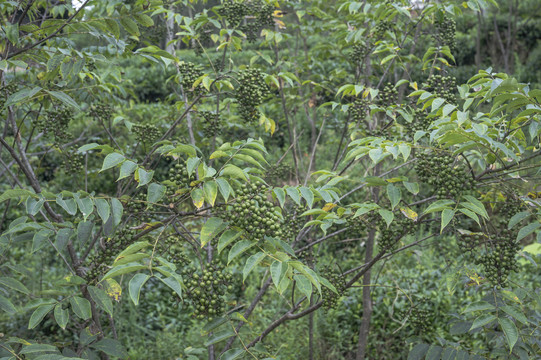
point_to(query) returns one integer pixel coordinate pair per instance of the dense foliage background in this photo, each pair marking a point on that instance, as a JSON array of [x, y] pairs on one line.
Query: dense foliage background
[[270, 179]]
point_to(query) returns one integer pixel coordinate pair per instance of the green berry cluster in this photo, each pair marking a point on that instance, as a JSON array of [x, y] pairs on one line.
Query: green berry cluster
[[356, 227], [55, 123], [189, 73], [443, 87], [293, 222], [204, 38], [358, 52], [358, 109], [234, 12], [498, 259], [421, 122], [139, 207], [420, 318], [146, 133], [388, 95], [330, 298], [446, 31], [277, 174], [98, 262], [251, 30], [178, 174], [212, 124], [73, 161], [471, 241], [382, 27], [101, 112], [437, 169], [5, 92], [250, 93], [254, 213], [206, 291], [172, 250], [389, 236], [511, 206]]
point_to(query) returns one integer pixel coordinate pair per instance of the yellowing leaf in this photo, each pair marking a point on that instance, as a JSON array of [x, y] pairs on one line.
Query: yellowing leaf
[[113, 289], [409, 213], [329, 206], [366, 92], [278, 13], [414, 85]]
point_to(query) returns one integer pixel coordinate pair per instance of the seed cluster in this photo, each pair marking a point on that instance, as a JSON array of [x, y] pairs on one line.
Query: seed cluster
[[73, 160], [499, 258], [98, 262], [420, 317], [254, 213], [443, 87], [389, 236], [420, 122], [330, 298], [5, 92], [146, 133], [212, 124], [293, 223], [55, 123], [358, 52], [382, 27], [388, 95], [171, 249], [511, 206], [250, 93], [189, 73], [206, 291], [249, 17], [101, 112], [437, 169], [446, 31], [277, 174], [178, 175]]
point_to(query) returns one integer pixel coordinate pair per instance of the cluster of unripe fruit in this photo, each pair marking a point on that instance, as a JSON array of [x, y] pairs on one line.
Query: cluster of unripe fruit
[[446, 32], [179, 176], [443, 87], [55, 123], [5, 92], [146, 133], [388, 95], [437, 169], [255, 214], [206, 291], [211, 123], [330, 298], [249, 17], [251, 91], [101, 112], [189, 73]]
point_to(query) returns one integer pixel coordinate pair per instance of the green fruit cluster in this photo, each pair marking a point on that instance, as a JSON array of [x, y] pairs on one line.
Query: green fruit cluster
[[421, 122], [358, 110], [250, 94], [358, 52], [138, 207], [55, 123], [178, 175], [189, 73], [446, 31], [98, 262], [146, 133], [390, 236], [101, 112], [448, 181], [388, 95], [73, 161], [277, 174], [234, 12], [330, 298], [254, 213], [356, 227], [470, 241], [443, 87], [249, 17], [498, 259], [382, 27], [5, 92], [420, 318], [511, 206], [171, 249], [206, 291], [293, 223], [212, 124]]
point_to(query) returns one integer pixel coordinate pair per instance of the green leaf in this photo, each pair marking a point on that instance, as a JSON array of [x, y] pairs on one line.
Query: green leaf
[[394, 195], [132, 249], [238, 249], [412, 187], [232, 354], [63, 97], [276, 272], [213, 324], [143, 176], [112, 160], [155, 193], [471, 215], [251, 263], [517, 218], [482, 321], [211, 229], [434, 352], [294, 194], [39, 348], [210, 189], [135, 285], [86, 206], [118, 209], [387, 215], [174, 283], [84, 231], [81, 307], [123, 269], [69, 205], [439, 205], [16, 193], [234, 172], [225, 188], [7, 306], [307, 195], [126, 169], [227, 238], [477, 204], [510, 330], [38, 315], [101, 298], [113, 27], [527, 230], [143, 19], [219, 336], [304, 285], [418, 352], [446, 217], [14, 284], [104, 210], [515, 313], [129, 25], [111, 347], [61, 316], [479, 306], [280, 195], [33, 206]]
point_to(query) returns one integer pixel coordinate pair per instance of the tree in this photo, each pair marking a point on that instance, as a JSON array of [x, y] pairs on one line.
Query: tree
[[299, 124]]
